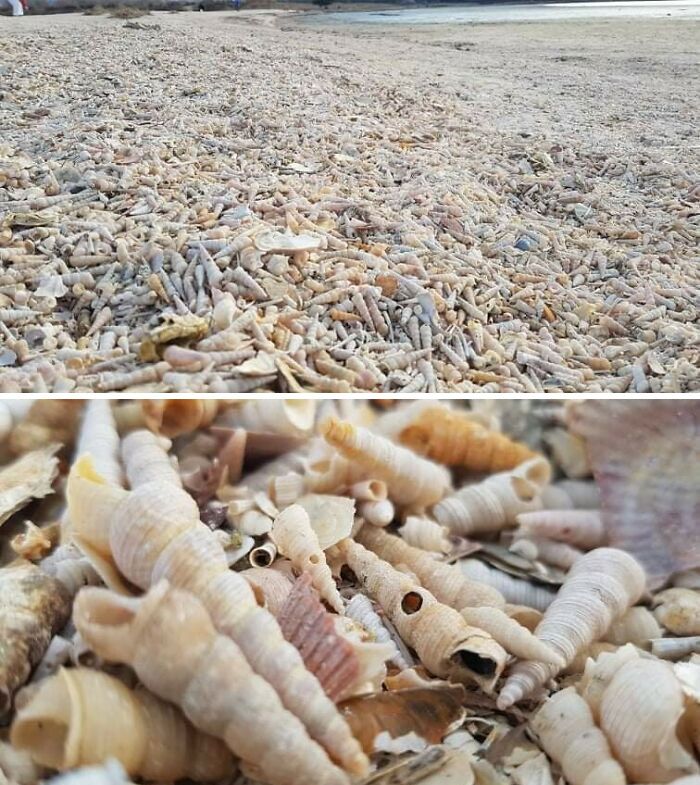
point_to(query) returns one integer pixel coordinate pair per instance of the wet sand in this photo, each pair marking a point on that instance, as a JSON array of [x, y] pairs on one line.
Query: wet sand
[[580, 133]]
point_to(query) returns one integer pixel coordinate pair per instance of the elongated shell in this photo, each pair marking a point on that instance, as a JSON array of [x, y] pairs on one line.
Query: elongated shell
[[271, 587], [582, 528], [360, 610], [285, 417], [639, 714], [568, 452], [599, 588], [207, 676], [295, 539], [175, 417], [426, 534], [453, 438], [569, 735], [412, 481], [80, 717], [98, 437], [146, 459], [154, 532], [515, 590], [645, 457], [557, 554], [28, 477], [33, 607], [445, 643], [494, 503], [679, 611]]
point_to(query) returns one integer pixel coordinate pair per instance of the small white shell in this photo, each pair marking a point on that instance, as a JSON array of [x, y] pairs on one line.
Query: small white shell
[[679, 611]]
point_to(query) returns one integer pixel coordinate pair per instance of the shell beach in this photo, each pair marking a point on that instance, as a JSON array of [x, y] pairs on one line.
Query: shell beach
[[231, 203], [278, 592]]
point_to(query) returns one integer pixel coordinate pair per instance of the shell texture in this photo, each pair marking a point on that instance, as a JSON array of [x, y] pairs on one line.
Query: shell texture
[[271, 587], [580, 528], [426, 534], [98, 437], [515, 590], [155, 532], [296, 539], [645, 456], [208, 678], [172, 418], [678, 610], [360, 609], [29, 477], [80, 717], [599, 588], [637, 626]]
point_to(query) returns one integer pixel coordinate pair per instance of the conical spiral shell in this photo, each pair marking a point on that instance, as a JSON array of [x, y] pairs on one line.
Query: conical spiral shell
[[412, 481], [582, 528], [449, 586], [295, 539], [494, 503], [271, 587], [516, 591], [99, 438], [445, 643], [569, 735], [639, 713], [426, 534], [283, 417], [80, 717], [599, 588], [146, 459], [360, 610], [207, 676], [154, 532], [174, 417], [453, 438]]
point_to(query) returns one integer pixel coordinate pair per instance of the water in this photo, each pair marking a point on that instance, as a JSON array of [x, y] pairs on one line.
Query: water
[[687, 9]]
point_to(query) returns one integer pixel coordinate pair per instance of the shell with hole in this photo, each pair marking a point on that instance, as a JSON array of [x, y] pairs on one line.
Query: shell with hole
[[569, 735], [413, 482], [453, 438], [494, 503], [445, 643], [154, 532], [271, 587], [479, 605], [599, 588], [295, 539], [33, 607], [80, 717], [207, 676]]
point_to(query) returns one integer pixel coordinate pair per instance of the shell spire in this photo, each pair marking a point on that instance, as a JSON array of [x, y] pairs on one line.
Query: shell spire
[[599, 588], [207, 677]]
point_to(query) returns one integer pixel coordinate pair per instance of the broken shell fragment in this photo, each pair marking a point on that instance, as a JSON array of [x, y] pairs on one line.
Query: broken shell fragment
[[29, 477]]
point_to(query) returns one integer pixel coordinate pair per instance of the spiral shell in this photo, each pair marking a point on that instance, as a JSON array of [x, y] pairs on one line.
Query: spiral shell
[[557, 554], [412, 481], [360, 610], [453, 438], [286, 417], [639, 713], [494, 503], [146, 460], [600, 587], [154, 532], [331, 517], [598, 673], [569, 735], [295, 539], [515, 590], [271, 587], [174, 417], [80, 717], [426, 534], [98, 437], [679, 611], [207, 676], [580, 528], [445, 643]]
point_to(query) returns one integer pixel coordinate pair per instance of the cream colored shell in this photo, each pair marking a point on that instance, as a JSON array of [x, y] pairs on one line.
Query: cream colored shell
[[331, 517], [360, 610], [80, 717], [637, 626], [207, 677], [678, 610], [271, 587], [283, 417], [580, 528], [295, 539], [146, 459], [99, 438], [426, 534], [174, 417]]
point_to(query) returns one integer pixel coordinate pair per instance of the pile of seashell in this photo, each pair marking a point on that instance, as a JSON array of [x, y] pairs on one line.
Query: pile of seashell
[[282, 592], [211, 222]]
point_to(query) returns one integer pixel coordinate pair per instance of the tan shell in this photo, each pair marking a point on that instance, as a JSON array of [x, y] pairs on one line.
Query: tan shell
[[29, 477], [80, 717], [331, 517], [175, 417], [581, 528], [286, 417], [33, 607], [678, 610], [445, 643], [369, 491], [146, 459], [494, 503], [285, 243], [600, 587], [637, 626], [154, 532], [295, 539], [569, 735], [598, 673], [271, 587], [453, 438], [557, 554], [568, 452], [639, 714], [207, 677], [11, 412], [46, 422], [33, 543], [412, 481], [426, 534]]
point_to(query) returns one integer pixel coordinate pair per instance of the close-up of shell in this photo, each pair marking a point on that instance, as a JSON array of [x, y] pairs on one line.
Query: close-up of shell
[[295, 591]]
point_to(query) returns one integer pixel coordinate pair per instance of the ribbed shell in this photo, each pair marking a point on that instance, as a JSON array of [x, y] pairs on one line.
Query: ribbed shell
[[146, 459], [599, 588], [515, 590], [581, 528], [413, 482], [207, 677], [426, 534], [270, 586], [99, 438], [80, 717], [360, 609], [175, 417]]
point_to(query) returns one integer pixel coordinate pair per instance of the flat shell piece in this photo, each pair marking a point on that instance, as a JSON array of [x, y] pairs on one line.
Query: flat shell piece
[[29, 477]]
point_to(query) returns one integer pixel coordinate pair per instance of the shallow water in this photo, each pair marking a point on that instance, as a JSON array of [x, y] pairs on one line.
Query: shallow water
[[689, 9]]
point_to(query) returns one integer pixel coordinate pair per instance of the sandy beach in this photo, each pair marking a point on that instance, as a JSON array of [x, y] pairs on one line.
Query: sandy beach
[[229, 202]]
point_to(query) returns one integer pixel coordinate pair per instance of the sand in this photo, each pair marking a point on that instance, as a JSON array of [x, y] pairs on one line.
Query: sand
[[536, 182]]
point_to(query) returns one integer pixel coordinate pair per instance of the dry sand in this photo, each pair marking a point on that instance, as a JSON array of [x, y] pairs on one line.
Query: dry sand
[[527, 194]]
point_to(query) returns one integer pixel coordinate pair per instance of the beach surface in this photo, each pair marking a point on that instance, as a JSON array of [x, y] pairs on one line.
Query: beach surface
[[498, 207]]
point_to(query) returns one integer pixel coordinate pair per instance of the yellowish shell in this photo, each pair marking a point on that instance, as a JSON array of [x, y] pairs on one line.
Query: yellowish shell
[[29, 477], [79, 717], [426, 534], [678, 610], [174, 417]]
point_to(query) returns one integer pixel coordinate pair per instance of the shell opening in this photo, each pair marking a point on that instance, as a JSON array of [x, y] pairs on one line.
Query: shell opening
[[524, 489], [104, 621], [483, 666], [260, 557], [301, 413], [536, 470], [411, 602]]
